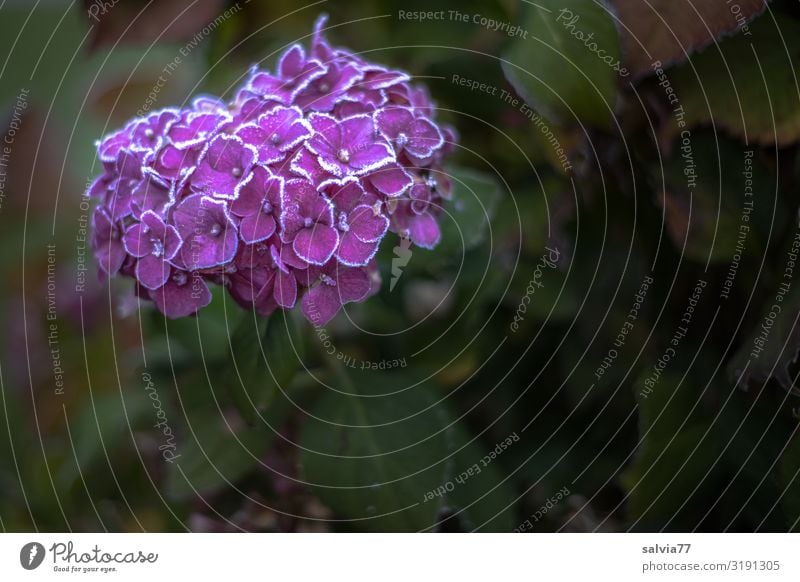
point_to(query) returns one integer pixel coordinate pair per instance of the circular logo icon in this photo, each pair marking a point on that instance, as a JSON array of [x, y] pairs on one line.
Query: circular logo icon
[[31, 555]]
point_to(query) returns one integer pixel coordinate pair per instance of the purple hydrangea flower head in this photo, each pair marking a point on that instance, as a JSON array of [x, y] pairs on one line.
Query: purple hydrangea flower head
[[282, 195]]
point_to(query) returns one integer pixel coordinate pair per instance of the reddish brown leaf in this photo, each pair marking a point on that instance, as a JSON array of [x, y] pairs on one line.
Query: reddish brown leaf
[[670, 30], [138, 22]]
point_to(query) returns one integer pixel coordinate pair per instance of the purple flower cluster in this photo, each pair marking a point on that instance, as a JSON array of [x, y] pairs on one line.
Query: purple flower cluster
[[282, 195]]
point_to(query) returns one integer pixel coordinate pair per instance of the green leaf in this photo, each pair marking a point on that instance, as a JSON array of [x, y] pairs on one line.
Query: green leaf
[[377, 454], [773, 344], [567, 65], [264, 358], [101, 428], [468, 215], [481, 501], [372, 457], [675, 469], [790, 480], [704, 213], [757, 98], [214, 454]]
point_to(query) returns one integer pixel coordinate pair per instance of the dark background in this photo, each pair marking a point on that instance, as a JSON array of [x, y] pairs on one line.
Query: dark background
[[282, 436]]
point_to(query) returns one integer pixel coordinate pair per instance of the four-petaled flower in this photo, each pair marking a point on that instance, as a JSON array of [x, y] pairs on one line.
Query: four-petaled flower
[[348, 147], [258, 205], [360, 221], [307, 222], [208, 233], [224, 166], [154, 243], [276, 132], [418, 137], [295, 72]]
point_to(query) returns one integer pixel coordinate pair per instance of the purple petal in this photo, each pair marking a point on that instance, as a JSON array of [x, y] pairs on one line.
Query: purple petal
[[320, 304], [352, 284], [302, 207], [316, 244], [149, 194], [390, 180], [107, 243], [371, 157], [394, 122], [285, 289], [424, 138], [355, 253], [367, 224], [285, 127], [257, 227], [253, 135], [381, 78], [292, 61], [324, 92], [137, 241], [306, 164], [262, 192], [182, 295], [152, 272], [424, 231], [347, 196]]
